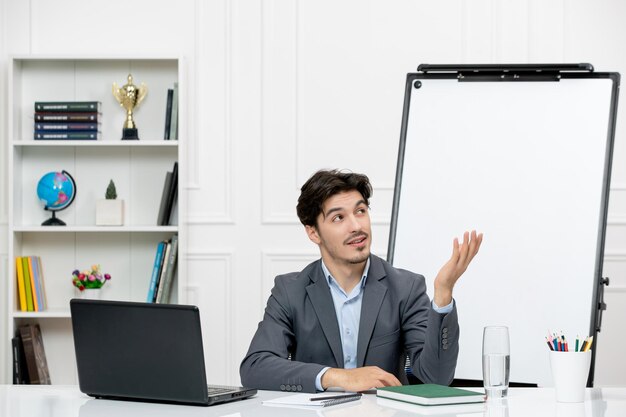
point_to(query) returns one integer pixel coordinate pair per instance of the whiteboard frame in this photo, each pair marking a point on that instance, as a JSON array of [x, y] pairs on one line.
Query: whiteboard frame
[[521, 73]]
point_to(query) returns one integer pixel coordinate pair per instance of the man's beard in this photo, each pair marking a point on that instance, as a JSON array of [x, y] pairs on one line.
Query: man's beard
[[361, 258]]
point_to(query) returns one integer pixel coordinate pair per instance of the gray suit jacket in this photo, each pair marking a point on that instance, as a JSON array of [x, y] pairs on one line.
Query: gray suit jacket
[[299, 334]]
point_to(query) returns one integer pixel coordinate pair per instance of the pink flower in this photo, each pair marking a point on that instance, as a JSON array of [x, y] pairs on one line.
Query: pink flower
[[107, 276], [92, 278]]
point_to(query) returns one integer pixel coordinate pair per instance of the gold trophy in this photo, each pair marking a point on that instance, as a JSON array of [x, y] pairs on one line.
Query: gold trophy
[[130, 96]]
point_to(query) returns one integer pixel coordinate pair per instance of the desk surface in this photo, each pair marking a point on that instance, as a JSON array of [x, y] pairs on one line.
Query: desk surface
[[67, 401]]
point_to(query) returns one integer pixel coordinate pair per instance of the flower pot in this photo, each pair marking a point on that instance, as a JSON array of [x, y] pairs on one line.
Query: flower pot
[[109, 212], [91, 294]]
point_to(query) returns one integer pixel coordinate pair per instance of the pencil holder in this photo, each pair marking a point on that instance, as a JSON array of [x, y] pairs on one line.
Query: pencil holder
[[569, 373]]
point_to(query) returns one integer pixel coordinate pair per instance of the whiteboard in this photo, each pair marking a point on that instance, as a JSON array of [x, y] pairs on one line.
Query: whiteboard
[[527, 164]]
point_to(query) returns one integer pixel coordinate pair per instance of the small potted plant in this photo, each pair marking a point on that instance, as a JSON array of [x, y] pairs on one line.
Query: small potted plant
[[90, 281], [110, 210]]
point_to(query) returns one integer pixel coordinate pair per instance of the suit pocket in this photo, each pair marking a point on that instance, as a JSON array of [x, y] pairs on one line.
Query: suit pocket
[[385, 339]]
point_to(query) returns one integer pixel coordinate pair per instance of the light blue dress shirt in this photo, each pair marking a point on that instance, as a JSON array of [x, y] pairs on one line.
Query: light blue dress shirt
[[348, 311]]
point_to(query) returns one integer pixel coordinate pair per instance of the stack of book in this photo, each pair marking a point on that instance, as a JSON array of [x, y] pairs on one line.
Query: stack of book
[[30, 287], [163, 271], [29, 357], [171, 114], [169, 201], [68, 120]]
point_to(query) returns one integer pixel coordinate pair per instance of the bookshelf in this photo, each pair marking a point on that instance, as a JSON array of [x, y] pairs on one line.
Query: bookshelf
[[137, 167]]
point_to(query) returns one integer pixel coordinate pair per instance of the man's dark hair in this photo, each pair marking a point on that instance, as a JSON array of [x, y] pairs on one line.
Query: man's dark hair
[[323, 185]]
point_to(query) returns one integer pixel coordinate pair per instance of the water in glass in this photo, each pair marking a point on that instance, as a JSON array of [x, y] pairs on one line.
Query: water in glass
[[496, 374]]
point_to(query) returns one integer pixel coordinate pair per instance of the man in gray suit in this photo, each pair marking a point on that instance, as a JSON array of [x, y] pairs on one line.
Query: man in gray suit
[[350, 319]]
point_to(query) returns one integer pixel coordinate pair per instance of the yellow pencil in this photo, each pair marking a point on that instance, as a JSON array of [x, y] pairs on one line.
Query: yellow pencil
[[588, 346]]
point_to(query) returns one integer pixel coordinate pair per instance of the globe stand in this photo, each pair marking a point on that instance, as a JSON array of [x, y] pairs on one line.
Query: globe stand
[[53, 221]]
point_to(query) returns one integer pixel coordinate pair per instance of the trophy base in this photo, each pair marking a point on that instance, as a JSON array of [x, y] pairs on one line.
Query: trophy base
[[130, 134]]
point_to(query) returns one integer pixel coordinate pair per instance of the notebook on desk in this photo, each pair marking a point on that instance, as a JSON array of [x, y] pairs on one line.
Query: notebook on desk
[[145, 352]]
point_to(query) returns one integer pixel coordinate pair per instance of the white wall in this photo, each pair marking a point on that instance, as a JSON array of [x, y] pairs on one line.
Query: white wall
[[280, 88]]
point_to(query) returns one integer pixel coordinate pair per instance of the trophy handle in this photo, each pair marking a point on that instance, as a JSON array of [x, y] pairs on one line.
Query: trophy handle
[[143, 91], [116, 93]]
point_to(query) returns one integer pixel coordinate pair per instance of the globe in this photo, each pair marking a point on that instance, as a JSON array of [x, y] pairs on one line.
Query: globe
[[57, 191]]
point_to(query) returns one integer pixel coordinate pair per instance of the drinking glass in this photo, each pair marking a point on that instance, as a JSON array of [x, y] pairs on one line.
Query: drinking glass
[[496, 361]]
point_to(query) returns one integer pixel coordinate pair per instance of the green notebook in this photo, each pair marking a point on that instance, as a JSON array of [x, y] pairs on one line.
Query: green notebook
[[430, 394]]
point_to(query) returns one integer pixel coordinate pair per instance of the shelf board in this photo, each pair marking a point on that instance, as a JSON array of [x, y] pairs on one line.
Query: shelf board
[[46, 314], [98, 143], [87, 57], [98, 229]]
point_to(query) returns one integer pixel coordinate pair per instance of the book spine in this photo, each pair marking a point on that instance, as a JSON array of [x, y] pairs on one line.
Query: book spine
[[168, 114], [37, 278], [68, 106], [21, 359], [174, 122], [171, 195], [62, 127], [33, 284], [155, 271], [40, 356], [52, 117], [171, 270], [161, 221], [166, 253], [67, 135], [26, 333], [19, 272], [41, 282], [174, 204], [29, 295], [15, 348]]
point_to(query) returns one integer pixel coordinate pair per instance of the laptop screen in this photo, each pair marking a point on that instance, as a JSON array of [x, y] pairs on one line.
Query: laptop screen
[[139, 350]]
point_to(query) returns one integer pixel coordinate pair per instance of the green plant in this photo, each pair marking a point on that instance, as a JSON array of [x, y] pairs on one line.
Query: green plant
[[111, 193]]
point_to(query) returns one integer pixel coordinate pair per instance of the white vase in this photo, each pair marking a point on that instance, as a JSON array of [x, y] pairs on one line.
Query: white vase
[[109, 212], [90, 294]]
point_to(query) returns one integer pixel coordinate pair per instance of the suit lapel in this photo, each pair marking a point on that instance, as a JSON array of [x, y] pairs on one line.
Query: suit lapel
[[373, 295], [322, 301]]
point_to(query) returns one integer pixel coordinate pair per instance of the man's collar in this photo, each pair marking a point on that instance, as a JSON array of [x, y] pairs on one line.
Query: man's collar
[[329, 276]]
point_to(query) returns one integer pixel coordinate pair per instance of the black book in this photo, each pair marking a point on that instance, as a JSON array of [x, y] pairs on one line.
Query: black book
[[164, 199], [68, 117], [168, 113], [172, 194], [68, 106], [20, 370], [67, 127]]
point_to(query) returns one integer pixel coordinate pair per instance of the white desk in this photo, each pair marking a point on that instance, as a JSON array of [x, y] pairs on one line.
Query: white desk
[[67, 401]]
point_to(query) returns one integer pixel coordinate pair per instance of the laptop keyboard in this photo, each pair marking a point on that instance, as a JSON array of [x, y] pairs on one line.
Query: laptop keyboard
[[217, 389]]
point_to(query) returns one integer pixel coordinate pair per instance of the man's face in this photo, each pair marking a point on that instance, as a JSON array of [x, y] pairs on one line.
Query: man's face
[[343, 230]]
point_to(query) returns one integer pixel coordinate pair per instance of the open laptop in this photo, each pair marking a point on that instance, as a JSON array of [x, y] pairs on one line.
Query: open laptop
[[145, 352]]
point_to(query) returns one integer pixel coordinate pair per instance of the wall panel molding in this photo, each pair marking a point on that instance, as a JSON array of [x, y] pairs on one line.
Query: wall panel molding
[[616, 220], [279, 111], [210, 287], [289, 261], [210, 146], [615, 256]]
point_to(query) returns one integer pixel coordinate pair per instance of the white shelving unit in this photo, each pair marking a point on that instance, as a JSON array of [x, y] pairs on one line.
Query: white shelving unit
[[138, 169]]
